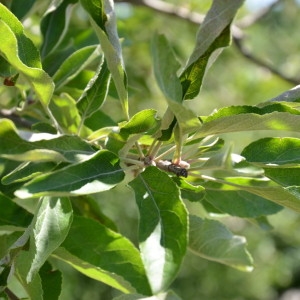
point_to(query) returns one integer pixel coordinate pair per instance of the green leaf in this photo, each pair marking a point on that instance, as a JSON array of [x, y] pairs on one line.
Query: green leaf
[[51, 282], [241, 203], [162, 226], [165, 68], [21, 266], [252, 118], [76, 62], [21, 53], [95, 93], [144, 122], [169, 295], [192, 77], [54, 26], [104, 255], [50, 227], [210, 239], [88, 207], [21, 8], [284, 176], [100, 172], [64, 109], [103, 21], [13, 215], [274, 152], [285, 196], [214, 33], [62, 148]]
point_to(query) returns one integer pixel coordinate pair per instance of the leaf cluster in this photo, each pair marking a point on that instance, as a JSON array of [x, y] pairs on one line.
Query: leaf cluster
[[69, 151]]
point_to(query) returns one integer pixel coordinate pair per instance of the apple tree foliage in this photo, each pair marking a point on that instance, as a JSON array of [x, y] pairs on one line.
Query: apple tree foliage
[[59, 152]]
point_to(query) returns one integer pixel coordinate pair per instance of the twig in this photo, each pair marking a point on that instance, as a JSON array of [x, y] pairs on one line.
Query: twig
[[19, 121], [247, 54], [237, 33], [251, 19]]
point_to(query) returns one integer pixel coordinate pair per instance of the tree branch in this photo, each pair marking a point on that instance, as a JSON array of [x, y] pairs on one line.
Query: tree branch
[[19, 121], [259, 62], [238, 35]]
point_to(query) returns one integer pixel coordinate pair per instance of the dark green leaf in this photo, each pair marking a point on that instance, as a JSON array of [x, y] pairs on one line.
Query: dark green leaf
[[192, 77], [284, 176], [54, 26], [51, 282], [162, 227], [213, 34], [74, 64], [13, 215], [274, 152], [95, 92]]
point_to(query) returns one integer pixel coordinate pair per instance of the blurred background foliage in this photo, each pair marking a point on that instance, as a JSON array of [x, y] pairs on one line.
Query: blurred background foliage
[[233, 79]]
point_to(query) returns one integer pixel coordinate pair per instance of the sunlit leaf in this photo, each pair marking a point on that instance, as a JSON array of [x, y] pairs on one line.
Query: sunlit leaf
[[50, 227], [103, 21], [104, 255], [163, 226], [170, 295], [21, 266], [27, 61], [274, 152], [214, 33], [62, 148], [210, 239], [99, 173], [165, 68], [95, 92]]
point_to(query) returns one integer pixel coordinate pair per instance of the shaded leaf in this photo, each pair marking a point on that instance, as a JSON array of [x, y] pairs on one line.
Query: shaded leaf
[[51, 282], [165, 68], [241, 203], [54, 26], [13, 215], [99, 173], [162, 226], [210, 239], [104, 255]]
